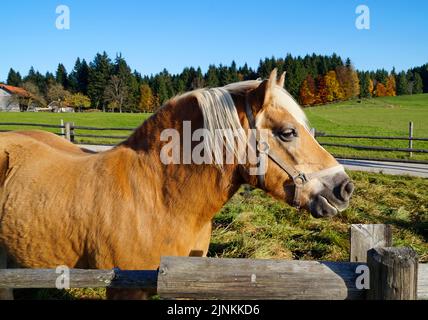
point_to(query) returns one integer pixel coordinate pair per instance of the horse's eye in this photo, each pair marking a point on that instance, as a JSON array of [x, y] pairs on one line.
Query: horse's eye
[[287, 135]]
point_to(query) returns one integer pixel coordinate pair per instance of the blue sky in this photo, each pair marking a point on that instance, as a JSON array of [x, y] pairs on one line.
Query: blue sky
[[153, 35]]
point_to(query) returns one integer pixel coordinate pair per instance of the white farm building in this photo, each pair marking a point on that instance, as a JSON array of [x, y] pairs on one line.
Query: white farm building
[[12, 98]]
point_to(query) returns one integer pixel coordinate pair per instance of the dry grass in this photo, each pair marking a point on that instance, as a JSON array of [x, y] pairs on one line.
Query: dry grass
[[253, 225]]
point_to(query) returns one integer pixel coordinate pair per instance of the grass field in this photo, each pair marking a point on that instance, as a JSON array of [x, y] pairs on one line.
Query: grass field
[[387, 116], [253, 225], [91, 119]]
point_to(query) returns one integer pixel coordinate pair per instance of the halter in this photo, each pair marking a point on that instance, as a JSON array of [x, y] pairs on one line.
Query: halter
[[299, 178]]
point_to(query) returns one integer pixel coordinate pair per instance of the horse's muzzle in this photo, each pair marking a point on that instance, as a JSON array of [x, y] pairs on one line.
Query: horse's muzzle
[[333, 198]]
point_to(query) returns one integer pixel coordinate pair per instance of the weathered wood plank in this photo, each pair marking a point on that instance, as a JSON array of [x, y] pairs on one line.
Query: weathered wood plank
[[205, 278], [367, 236], [393, 274], [423, 281], [78, 278], [39, 278]]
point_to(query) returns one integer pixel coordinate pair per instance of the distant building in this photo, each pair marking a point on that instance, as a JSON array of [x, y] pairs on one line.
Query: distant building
[[13, 98]]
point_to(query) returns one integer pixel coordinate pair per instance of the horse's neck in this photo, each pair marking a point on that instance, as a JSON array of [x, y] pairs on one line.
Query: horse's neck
[[196, 191]]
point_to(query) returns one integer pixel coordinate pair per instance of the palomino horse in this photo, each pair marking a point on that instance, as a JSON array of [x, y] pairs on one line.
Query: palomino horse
[[126, 207]]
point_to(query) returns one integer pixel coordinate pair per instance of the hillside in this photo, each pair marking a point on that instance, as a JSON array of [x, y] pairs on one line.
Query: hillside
[[386, 116]]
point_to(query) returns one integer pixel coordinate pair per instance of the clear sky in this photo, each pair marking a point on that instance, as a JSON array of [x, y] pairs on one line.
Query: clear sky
[[153, 35]]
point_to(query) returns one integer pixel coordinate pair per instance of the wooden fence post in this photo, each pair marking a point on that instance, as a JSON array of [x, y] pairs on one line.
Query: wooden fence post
[[67, 128], [72, 132], [62, 128], [5, 294], [393, 274], [410, 138], [367, 236]]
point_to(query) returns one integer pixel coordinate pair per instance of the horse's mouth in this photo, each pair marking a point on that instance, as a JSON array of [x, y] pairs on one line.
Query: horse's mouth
[[322, 208]]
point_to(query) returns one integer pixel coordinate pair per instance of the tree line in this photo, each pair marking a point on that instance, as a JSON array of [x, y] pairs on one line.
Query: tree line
[[111, 85]]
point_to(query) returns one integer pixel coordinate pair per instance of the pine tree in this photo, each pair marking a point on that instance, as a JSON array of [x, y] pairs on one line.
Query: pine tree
[[179, 86], [14, 78], [233, 73], [417, 83], [127, 79], [402, 84], [247, 73], [296, 74], [160, 89], [365, 80], [198, 79], [79, 77], [265, 68], [36, 78], [381, 75], [61, 76], [211, 78], [99, 76], [410, 81], [223, 75]]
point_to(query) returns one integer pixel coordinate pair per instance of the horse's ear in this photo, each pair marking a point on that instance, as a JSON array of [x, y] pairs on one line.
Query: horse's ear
[[270, 85], [264, 92], [281, 80]]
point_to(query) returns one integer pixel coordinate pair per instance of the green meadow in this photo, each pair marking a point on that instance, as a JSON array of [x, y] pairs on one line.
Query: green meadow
[[386, 116]]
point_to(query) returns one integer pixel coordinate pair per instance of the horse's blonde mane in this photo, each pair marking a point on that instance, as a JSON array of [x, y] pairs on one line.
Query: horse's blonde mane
[[219, 113]]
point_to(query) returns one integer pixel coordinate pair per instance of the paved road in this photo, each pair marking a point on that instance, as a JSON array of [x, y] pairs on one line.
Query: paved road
[[397, 168]]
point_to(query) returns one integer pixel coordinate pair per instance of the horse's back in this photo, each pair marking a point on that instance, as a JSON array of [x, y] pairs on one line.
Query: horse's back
[[53, 141]]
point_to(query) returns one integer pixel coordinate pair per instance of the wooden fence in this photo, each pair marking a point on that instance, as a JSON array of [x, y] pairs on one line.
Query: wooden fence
[[375, 271], [410, 138], [71, 132]]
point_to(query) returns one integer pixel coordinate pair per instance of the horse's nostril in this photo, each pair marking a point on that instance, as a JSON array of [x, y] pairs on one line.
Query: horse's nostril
[[346, 190]]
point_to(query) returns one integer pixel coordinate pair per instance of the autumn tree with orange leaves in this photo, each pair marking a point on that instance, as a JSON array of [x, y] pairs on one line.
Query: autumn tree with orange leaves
[[380, 90], [390, 86], [308, 91], [329, 88]]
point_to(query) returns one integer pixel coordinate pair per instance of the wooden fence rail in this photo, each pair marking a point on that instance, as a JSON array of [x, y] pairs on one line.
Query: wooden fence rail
[[390, 273], [343, 145], [326, 135]]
